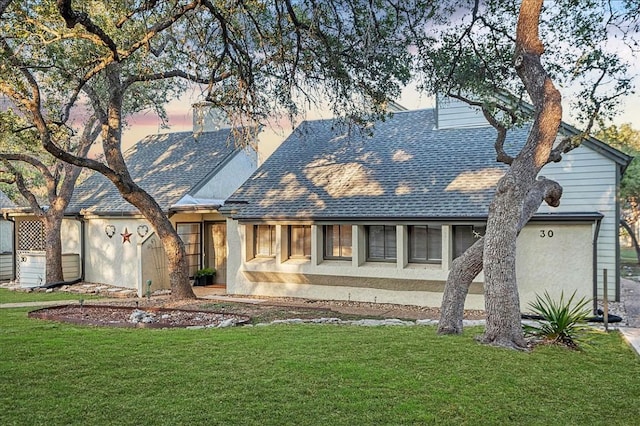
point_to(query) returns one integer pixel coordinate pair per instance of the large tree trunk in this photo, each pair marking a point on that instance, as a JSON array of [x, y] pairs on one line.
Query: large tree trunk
[[501, 291], [466, 268], [501, 297], [130, 191], [174, 247], [52, 222]]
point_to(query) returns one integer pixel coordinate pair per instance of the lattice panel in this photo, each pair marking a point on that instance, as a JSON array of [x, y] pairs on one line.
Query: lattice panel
[[30, 235]]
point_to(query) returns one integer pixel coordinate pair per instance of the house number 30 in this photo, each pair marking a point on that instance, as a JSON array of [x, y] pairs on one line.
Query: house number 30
[[546, 234]]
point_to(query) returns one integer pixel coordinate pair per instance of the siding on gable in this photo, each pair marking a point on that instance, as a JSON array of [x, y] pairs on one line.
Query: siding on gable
[[455, 114], [229, 177], [589, 185]]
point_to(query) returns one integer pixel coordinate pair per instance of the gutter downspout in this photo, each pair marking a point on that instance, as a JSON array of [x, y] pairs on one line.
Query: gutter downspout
[[80, 219], [595, 266]]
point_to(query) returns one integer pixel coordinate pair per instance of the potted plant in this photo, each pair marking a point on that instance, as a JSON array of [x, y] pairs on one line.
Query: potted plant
[[204, 276]]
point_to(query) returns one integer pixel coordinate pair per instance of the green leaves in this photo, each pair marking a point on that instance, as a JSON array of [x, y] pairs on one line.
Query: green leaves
[[563, 322]]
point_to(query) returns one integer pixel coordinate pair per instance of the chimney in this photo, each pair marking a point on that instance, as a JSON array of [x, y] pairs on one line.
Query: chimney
[[207, 118]]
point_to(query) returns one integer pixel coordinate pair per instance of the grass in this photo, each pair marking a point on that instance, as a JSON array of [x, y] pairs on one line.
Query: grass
[[55, 374], [10, 296], [628, 255]]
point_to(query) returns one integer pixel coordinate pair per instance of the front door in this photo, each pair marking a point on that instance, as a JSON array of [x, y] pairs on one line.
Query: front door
[[215, 255]]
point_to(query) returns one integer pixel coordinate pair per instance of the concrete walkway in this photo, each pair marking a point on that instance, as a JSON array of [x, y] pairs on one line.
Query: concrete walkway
[[630, 296], [632, 336]]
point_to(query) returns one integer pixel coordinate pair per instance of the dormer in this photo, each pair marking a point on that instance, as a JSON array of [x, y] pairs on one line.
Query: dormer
[[452, 113]]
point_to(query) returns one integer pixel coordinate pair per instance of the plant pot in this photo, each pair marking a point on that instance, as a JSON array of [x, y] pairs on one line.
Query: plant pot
[[200, 281]]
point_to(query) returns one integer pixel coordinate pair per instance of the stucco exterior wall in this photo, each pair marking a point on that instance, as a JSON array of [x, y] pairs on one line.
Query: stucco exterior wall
[[557, 258], [110, 260], [71, 235], [130, 264], [562, 262], [589, 185]]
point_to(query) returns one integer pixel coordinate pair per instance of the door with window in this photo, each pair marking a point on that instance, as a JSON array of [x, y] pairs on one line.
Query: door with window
[[190, 235], [215, 254]]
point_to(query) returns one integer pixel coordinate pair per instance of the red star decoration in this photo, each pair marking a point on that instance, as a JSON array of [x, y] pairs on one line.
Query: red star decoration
[[126, 236]]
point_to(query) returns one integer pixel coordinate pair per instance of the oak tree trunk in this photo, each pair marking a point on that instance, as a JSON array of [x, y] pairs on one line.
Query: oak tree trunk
[[52, 223], [466, 268], [502, 302], [174, 247], [501, 291], [112, 136]]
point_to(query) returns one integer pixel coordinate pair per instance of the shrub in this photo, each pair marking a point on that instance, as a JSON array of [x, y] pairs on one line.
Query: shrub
[[205, 272], [561, 322]]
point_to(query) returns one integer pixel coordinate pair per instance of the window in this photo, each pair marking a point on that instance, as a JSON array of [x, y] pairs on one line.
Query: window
[[299, 241], [381, 242], [425, 244], [190, 235], [464, 236], [264, 243], [337, 242]]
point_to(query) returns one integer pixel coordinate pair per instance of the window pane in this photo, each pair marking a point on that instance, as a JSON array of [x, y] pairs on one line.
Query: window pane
[[300, 240], [418, 242], [381, 242], [390, 242], [307, 241], [272, 239], [376, 241], [345, 240], [337, 241], [464, 236], [190, 235], [265, 240], [329, 241], [434, 243]]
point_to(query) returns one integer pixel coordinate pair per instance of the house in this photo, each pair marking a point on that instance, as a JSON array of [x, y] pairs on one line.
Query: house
[[6, 240], [108, 241], [337, 214]]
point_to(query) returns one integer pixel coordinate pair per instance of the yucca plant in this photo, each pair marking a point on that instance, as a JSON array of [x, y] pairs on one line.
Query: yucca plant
[[563, 322]]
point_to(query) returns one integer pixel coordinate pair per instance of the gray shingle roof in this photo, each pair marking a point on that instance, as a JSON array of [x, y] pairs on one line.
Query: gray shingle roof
[[168, 166], [5, 202], [405, 170]]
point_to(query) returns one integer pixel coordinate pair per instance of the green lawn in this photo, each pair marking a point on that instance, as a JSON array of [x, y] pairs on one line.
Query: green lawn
[[55, 374], [9, 296]]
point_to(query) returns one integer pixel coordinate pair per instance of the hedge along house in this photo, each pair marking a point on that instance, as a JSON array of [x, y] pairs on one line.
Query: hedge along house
[[334, 215], [189, 174], [6, 240]]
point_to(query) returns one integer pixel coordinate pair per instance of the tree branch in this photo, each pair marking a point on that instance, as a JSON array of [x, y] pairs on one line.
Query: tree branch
[[73, 17], [501, 154], [22, 187]]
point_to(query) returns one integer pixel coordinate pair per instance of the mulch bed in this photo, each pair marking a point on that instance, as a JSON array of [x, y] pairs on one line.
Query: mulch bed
[[121, 316]]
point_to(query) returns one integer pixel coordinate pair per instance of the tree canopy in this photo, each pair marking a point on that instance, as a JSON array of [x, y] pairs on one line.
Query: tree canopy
[[255, 59]]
